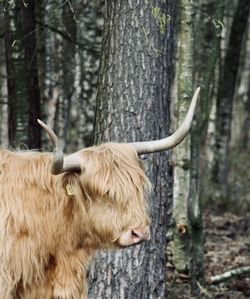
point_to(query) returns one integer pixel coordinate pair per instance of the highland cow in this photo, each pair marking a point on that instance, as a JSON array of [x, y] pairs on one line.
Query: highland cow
[[56, 211]]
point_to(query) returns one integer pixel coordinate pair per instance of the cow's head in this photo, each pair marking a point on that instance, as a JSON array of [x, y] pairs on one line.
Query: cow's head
[[116, 186], [114, 183]]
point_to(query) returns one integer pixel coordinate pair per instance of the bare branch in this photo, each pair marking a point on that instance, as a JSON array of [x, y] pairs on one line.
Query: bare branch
[[242, 271]]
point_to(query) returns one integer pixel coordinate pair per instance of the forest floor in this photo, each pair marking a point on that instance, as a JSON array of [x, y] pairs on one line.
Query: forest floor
[[227, 246]]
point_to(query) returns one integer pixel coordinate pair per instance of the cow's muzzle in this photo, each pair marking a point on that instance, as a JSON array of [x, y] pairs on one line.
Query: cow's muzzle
[[134, 236]]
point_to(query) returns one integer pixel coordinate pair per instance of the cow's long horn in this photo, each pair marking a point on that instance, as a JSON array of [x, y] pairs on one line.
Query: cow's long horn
[[60, 164], [173, 140]]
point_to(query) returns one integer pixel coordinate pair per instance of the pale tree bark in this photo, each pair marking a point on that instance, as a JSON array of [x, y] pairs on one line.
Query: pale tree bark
[[225, 97], [181, 243], [238, 272], [197, 56], [133, 104]]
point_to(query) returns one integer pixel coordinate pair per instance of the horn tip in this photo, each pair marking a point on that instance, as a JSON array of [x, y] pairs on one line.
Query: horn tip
[[40, 122]]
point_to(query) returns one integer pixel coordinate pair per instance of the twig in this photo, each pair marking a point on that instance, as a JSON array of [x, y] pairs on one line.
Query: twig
[[229, 274]]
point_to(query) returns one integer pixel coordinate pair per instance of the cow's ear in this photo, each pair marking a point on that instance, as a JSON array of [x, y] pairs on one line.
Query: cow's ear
[[69, 183]]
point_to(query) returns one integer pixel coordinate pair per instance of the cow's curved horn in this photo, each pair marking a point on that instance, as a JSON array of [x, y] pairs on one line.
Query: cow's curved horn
[[61, 164], [173, 140]]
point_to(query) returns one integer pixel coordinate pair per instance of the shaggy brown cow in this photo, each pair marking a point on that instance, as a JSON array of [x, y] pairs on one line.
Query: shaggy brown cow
[[52, 223]]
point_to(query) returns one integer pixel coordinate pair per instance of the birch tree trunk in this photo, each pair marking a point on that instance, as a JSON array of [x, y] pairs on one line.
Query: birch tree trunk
[[181, 244], [197, 56], [133, 104]]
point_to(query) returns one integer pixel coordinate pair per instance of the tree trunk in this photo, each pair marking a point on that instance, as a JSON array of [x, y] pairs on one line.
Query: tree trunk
[[226, 91], [206, 54], [181, 244], [32, 84], [133, 104], [187, 245]]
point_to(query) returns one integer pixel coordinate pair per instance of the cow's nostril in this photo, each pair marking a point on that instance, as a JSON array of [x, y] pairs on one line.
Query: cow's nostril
[[137, 234], [134, 234], [140, 233]]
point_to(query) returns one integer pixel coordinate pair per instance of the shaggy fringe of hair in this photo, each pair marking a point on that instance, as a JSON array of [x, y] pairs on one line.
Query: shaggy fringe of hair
[[47, 237]]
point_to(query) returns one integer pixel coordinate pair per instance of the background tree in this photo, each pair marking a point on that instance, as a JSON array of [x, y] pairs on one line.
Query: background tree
[[226, 93], [181, 243], [31, 74], [133, 104], [197, 53], [206, 54], [14, 58]]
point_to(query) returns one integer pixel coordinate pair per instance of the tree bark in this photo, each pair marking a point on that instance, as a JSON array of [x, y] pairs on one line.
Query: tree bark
[[133, 104], [225, 97]]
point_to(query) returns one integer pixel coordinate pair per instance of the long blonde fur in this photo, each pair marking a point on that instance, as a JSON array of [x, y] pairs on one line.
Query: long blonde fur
[[47, 237]]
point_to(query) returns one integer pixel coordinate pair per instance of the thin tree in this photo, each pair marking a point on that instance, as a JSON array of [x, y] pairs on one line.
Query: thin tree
[[181, 243], [198, 51]]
